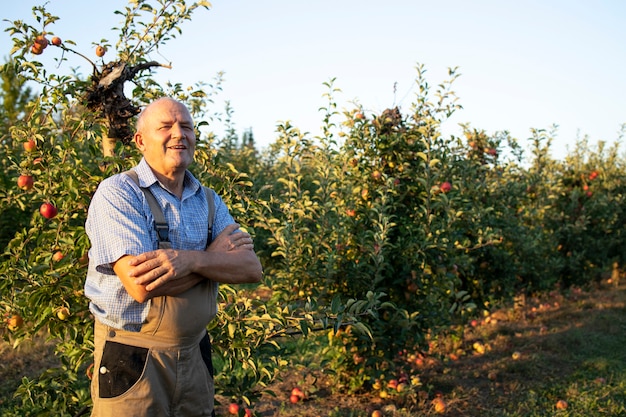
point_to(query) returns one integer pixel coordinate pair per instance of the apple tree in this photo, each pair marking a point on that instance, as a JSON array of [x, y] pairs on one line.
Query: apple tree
[[69, 137]]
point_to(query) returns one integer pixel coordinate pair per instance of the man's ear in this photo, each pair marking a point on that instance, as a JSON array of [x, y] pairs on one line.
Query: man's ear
[[138, 138]]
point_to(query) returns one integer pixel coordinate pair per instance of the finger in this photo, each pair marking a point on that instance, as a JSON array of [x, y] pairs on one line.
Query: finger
[[146, 267], [141, 258], [155, 284], [151, 275]]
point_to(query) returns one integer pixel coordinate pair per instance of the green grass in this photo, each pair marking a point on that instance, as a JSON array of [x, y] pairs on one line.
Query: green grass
[[572, 350]]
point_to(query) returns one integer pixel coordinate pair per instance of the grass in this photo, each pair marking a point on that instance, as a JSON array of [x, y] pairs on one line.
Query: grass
[[28, 359], [517, 362]]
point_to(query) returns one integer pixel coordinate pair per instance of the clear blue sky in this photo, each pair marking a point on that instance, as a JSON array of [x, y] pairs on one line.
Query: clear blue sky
[[524, 64]]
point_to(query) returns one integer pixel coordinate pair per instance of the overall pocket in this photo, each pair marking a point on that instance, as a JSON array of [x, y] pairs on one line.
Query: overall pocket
[[121, 367]]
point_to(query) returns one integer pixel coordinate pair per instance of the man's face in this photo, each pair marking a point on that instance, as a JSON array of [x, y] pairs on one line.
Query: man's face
[[166, 137]]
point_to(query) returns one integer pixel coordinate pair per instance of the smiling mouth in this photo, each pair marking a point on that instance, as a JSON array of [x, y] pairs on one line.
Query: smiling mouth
[[177, 147]]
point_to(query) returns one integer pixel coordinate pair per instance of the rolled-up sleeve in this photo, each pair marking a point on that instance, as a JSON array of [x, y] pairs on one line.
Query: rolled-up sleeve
[[118, 224]]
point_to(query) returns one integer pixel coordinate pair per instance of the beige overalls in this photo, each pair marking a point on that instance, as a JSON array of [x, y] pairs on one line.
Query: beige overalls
[[163, 370]]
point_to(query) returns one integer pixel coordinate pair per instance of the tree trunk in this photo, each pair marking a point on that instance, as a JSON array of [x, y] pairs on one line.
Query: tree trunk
[[108, 146]]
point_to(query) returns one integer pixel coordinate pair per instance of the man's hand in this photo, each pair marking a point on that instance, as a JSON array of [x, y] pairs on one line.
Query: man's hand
[[230, 239], [155, 268]]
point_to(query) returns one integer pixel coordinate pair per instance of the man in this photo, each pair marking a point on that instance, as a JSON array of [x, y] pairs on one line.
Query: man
[[151, 305]]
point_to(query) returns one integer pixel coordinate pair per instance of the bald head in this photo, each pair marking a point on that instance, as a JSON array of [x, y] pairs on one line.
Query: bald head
[[145, 113]]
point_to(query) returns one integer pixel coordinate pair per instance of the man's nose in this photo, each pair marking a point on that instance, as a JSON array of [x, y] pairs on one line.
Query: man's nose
[[178, 132]]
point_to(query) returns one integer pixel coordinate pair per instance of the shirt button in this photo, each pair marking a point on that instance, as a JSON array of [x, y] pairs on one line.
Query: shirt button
[[112, 333], [103, 370]]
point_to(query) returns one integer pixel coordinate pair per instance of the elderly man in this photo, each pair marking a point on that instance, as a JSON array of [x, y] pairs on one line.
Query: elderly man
[[153, 294]]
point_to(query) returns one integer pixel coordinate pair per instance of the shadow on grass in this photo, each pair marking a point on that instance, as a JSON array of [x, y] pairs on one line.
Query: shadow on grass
[[566, 348]]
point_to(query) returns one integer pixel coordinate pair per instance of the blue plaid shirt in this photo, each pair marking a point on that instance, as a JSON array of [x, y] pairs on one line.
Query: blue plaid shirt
[[119, 222]]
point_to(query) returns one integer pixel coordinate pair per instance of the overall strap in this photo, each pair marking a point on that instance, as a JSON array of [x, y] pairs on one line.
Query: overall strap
[[209, 199], [161, 225]]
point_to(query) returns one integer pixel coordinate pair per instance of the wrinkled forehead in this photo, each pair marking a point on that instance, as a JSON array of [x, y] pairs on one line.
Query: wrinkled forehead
[[164, 111]]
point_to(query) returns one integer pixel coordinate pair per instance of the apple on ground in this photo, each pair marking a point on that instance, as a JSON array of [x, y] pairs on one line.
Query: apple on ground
[[293, 399], [561, 405], [377, 413], [233, 408], [439, 405], [297, 391]]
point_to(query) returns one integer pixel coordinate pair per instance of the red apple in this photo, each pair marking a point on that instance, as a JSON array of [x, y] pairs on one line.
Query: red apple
[[15, 322], [298, 393], [36, 49], [56, 41], [233, 408], [248, 412], [561, 405], [445, 187], [48, 210], [439, 405], [41, 41], [294, 399], [58, 255], [25, 182], [30, 145], [100, 51]]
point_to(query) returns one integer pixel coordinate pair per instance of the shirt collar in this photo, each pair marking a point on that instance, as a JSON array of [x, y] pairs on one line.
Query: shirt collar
[[147, 178]]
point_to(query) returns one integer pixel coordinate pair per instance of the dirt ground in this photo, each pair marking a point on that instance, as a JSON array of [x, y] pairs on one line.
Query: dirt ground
[[502, 356]]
